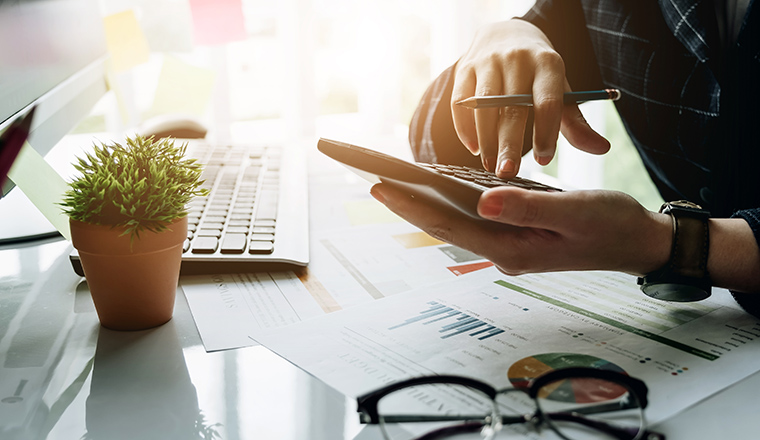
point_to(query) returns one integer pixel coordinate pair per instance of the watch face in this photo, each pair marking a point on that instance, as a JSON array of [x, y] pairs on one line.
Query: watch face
[[675, 292]]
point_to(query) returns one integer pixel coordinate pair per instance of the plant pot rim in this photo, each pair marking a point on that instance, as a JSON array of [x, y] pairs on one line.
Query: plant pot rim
[[90, 238]]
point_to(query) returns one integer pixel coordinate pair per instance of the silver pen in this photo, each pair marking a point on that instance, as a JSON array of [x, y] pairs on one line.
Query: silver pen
[[527, 100]]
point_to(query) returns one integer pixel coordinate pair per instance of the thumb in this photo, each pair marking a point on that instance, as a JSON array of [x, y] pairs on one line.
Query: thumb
[[525, 208]]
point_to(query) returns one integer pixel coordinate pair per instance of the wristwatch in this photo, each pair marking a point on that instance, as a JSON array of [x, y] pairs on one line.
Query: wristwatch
[[684, 278]]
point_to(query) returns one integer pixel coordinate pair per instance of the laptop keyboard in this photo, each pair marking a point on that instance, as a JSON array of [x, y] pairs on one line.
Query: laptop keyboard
[[239, 215], [485, 179], [256, 215]]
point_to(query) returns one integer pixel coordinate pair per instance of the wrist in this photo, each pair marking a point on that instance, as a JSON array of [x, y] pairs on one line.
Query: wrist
[[658, 244], [734, 258], [685, 276]]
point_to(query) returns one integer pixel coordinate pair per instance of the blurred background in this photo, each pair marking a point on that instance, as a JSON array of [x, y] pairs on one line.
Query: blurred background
[[300, 69]]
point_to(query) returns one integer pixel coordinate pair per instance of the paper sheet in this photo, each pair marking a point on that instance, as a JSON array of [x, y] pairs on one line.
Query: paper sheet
[[230, 310], [42, 185], [500, 329], [348, 266]]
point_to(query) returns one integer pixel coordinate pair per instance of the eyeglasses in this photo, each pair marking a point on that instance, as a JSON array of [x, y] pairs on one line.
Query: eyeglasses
[[574, 403]]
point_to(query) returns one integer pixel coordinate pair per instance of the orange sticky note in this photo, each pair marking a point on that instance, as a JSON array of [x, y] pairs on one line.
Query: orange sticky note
[[125, 40], [217, 21]]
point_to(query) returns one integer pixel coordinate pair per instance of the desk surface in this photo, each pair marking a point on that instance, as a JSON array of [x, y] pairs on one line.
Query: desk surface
[[62, 376]]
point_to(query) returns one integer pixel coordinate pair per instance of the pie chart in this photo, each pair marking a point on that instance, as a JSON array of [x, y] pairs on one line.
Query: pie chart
[[569, 390]]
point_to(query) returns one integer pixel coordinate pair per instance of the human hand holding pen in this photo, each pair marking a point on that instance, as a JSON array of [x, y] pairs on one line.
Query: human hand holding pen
[[510, 58]]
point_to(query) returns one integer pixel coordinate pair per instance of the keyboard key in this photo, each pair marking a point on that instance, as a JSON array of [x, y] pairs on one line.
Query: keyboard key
[[265, 222], [212, 225], [234, 243], [261, 247], [262, 237], [214, 219], [205, 245], [217, 212], [267, 210], [209, 233], [263, 230]]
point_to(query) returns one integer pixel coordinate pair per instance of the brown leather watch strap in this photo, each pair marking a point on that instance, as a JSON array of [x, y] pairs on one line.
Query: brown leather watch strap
[[691, 239], [685, 277]]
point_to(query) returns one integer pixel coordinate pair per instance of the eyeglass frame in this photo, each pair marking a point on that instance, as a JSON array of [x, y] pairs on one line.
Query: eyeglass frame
[[367, 403]]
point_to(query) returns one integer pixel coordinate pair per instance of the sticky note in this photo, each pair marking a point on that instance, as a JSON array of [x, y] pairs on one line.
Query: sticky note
[[217, 21], [182, 88], [42, 185], [125, 40]]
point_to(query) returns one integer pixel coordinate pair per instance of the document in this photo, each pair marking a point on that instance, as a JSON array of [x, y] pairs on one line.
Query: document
[[502, 329], [230, 310], [349, 266]]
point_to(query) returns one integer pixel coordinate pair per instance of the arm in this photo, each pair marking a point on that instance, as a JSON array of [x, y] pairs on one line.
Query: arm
[[579, 230]]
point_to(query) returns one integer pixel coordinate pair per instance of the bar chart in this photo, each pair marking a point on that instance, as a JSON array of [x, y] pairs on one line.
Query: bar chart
[[451, 322]]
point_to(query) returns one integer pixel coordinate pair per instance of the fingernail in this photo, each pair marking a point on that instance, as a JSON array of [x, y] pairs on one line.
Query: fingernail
[[488, 163], [543, 160], [507, 167], [490, 206], [473, 148], [374, 192]]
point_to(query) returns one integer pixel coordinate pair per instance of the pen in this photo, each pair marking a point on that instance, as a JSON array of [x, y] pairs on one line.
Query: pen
[[527, 100], [11, 142]]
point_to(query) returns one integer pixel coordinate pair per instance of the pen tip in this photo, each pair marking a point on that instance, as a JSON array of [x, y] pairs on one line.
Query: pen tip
[[469, 102]]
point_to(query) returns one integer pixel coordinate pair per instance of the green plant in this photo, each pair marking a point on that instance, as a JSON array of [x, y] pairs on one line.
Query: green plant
[[144, 184]]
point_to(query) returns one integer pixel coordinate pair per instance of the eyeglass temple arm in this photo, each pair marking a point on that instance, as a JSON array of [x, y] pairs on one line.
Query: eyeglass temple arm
[[413, 418]]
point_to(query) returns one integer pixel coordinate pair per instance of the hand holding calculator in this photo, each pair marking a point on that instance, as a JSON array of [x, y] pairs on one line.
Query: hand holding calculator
[[451, 187]]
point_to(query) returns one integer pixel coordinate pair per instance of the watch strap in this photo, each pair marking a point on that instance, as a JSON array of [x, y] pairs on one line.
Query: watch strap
[[685, 276], [691, 243]]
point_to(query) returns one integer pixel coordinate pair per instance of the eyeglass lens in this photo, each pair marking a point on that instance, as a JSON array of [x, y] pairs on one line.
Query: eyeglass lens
[[438, 411], [590, 408]]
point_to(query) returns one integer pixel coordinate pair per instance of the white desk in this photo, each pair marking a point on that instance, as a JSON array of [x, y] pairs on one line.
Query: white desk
[[83, 381], [64, 377]]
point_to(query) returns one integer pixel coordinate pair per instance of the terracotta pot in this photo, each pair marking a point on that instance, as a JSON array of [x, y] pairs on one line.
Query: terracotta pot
[[133, 283]]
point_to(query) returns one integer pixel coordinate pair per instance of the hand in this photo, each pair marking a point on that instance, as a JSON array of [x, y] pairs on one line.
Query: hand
[[536, 231], [515, 57]]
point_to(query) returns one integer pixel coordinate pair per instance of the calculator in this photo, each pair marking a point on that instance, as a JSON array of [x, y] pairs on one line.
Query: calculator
[[451, 187]]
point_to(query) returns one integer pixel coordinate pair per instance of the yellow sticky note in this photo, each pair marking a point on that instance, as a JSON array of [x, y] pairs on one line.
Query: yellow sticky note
[[182, 88], [125, 40], [42, 185]]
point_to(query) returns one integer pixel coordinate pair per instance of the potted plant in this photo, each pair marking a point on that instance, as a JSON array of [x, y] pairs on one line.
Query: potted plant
[[127, 213]]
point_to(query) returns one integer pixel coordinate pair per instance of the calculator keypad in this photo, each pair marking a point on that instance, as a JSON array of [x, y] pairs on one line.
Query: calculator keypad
[[484, 178]]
